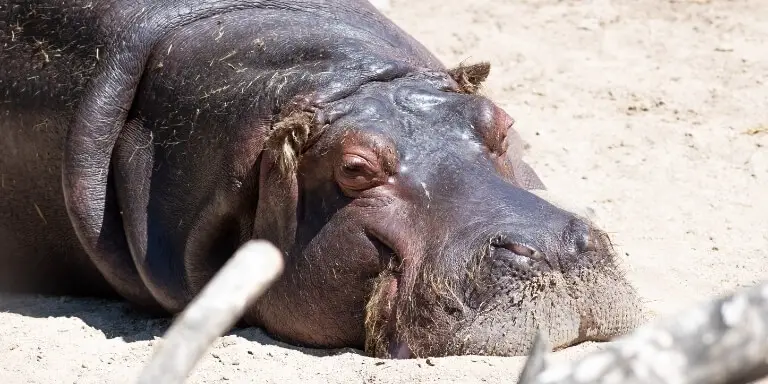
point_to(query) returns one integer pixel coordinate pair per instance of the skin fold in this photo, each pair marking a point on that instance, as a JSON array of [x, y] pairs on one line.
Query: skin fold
[[144, 142]]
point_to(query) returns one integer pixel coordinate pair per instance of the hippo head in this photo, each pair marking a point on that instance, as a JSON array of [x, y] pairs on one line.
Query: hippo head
[[406, 216]]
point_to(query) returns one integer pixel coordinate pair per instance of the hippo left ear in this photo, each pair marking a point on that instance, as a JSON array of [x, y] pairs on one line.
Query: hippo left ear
[[471, 77], [287, 139], [278, 184]]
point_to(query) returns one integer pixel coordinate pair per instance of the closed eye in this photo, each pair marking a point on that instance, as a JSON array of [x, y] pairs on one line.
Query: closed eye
[[356, 173]]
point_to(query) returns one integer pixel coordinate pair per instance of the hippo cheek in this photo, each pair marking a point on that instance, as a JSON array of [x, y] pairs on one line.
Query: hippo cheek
[[277, 203], [320, 298]]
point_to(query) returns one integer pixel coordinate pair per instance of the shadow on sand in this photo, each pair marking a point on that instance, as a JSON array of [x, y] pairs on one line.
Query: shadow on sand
[[118, 319]]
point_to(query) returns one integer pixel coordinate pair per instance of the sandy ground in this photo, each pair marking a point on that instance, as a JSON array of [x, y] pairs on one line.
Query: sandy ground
[[651, 112]]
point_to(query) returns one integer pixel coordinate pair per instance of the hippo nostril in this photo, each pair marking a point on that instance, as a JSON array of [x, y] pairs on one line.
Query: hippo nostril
[[578, 234], [521, 250], [585, 243]]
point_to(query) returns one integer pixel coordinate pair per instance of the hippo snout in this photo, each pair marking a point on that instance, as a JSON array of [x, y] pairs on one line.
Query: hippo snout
[[561, 252]]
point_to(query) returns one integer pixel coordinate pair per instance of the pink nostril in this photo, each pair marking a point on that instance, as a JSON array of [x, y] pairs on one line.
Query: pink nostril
[[529, 254]]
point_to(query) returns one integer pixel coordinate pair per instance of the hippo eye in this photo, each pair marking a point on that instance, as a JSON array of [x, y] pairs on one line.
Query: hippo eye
[[356, 173], [355, 165]]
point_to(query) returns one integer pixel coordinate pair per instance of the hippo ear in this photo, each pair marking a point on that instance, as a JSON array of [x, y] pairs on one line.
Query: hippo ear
[[471, 77], [86, 176], [278, 184], [287, 139]]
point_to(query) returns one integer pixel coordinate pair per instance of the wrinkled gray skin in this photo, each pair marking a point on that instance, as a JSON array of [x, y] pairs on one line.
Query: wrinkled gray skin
[[142, 143]]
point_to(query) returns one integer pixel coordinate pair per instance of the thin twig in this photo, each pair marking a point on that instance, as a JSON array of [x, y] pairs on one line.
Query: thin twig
[[245, 277]]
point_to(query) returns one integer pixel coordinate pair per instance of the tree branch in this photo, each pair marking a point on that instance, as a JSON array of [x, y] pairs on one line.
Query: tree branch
[[722, 341]]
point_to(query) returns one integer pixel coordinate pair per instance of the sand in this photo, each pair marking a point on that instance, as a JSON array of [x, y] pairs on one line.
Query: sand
[[653, 113]]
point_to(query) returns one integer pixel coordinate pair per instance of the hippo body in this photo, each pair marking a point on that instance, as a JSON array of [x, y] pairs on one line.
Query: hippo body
[[51, 54], [143, 142]]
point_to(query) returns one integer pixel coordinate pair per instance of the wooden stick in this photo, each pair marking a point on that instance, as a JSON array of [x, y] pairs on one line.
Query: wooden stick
[[242, 279], [722, 341]]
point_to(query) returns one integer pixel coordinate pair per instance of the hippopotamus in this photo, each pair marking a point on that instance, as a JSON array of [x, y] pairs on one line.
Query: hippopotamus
[[143, 142]]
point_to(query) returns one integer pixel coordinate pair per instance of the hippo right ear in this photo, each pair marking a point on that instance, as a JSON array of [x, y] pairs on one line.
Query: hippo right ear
[[471, 77], [86, 171]]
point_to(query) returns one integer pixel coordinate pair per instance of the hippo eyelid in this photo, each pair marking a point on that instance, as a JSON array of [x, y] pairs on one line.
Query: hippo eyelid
[[356, 163]]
